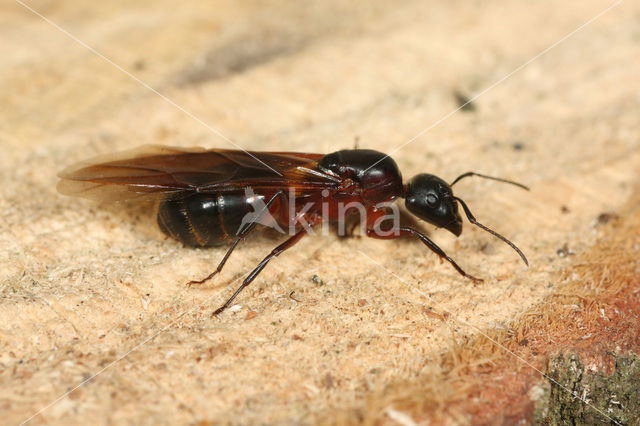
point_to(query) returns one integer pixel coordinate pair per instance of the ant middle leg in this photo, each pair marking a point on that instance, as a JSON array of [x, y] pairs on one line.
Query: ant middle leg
[[242, 233], [275, 252]]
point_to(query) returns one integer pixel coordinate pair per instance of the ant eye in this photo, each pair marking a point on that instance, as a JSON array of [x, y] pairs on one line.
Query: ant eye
[[432, 200]]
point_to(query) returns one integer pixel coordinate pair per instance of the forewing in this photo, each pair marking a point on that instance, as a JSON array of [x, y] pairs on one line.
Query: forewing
[[151, 172]]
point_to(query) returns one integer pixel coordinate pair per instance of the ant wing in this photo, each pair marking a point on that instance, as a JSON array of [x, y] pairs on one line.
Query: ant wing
[[154, 172]]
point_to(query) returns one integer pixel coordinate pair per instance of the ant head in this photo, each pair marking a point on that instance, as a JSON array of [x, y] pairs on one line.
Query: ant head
[[431, 199]]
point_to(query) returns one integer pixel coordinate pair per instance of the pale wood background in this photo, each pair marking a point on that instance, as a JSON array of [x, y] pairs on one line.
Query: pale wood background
[[85, 284]]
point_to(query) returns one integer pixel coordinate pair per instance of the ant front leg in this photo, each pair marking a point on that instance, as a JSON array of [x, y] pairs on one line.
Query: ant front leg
[[374, 230], [242, 233]]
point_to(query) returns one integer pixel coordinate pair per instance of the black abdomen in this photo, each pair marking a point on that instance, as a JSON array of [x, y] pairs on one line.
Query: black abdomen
[[203, 220]]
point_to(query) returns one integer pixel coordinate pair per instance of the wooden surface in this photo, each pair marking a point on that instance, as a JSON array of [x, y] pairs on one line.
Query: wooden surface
[[96, 292]]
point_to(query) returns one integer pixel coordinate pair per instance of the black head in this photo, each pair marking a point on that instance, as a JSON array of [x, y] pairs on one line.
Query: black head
[[431, 199]]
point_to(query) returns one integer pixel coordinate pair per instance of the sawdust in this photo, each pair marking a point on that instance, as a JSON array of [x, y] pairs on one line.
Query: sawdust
[[593, 316], [94, 295]]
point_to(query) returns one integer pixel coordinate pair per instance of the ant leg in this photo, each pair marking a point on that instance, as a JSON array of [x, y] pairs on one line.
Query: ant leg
[[241, 235], [410, 232], [352, 230], [275, 252]]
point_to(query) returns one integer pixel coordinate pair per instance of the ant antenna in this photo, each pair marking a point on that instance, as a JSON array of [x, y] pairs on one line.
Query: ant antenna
[[492, 232], [464, 175]]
